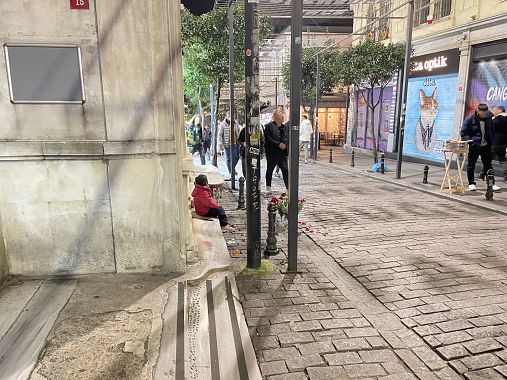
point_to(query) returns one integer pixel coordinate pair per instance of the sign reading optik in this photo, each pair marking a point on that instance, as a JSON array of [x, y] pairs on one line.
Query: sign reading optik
[[434, 63], [443, 62]]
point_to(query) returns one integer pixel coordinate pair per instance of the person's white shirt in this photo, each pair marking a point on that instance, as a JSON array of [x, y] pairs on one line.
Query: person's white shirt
[[305, 130]]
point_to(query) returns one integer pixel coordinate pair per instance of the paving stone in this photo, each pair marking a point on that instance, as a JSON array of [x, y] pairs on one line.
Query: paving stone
[[485, 321], [341, 358], [265, 342], [253, 322], [364, 370], [427, 319], [290, 376], [432, 341], [306, 326], [377, 356], [453, 351], [447, 374], [487, 331], [482, 345], [278, 302], [502, 369], [453, 337], [427, 330], [336, 323], [488, 373], [273, 368], [327, 373], [316, 315], [377, 342], [433, 308], [328, 335], [394, 367], [399, 376], [345, 314], [361, 332], [323, 307], [429, 357], [302, 362], [289, 339], [286, 294], [252, 303], [316, 348], [280, 354], [353, 344], [481, 361], [458, 366], [412, 361], [273, 329], [305, 300], [360, 322], [282, 318], [454, 325]]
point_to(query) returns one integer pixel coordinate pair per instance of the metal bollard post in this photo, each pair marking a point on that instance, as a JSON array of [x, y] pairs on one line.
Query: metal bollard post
[[330, 154], [271, 248], [352, 158], [425, 173], [241, 197], [490, 181], [382, 163]]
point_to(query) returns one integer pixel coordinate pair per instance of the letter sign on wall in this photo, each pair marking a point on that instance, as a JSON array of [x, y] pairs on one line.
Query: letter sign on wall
[[79, 4]]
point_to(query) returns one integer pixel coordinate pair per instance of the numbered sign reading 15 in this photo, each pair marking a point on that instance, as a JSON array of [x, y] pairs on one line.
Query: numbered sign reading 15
[[79, 4]]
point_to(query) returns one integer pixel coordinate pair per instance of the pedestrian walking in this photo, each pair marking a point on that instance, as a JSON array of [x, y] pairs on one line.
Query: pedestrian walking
[[206, 138], [225, 142], [276, 140], [305, 134], [206, 205], [499, 146], [197, 143], [478, 128]]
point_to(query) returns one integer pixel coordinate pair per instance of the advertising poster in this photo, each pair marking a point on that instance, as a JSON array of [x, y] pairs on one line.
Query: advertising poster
[[488, 84], [383, 119], [431, 104]]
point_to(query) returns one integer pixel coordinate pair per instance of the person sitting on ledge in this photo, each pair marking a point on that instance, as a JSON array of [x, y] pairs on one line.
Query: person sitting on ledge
[[206, 205]]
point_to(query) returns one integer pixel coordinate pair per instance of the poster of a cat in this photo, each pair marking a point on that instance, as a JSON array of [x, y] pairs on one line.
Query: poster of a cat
[[425, 131]]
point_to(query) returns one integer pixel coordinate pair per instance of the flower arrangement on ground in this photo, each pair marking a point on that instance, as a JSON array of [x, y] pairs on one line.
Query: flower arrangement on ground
[[283, 204]]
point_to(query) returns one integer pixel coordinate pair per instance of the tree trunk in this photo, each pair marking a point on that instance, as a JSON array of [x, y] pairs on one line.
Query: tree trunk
[[381, 113], [215, 127], [372, 123]]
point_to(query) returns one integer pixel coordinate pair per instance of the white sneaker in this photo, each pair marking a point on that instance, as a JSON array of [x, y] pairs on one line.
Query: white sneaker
[[268, 189], [496, 188], [472, 188]]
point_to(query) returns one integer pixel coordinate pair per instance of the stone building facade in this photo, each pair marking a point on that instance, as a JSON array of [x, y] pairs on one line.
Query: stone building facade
[[98, 186]]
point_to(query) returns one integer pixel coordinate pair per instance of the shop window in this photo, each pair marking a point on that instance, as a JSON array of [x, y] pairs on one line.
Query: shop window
[[442, 9], [421, 12], [46, 74]]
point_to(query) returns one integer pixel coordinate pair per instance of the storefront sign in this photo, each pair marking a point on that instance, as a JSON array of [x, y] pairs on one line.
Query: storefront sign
[[79, 4], [488, 84], [444, 62]]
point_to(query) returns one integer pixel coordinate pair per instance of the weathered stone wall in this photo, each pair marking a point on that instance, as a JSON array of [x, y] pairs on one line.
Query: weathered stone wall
[[96, 187]]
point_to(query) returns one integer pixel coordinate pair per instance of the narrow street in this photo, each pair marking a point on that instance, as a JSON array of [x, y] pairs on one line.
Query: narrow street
[[393, 282]]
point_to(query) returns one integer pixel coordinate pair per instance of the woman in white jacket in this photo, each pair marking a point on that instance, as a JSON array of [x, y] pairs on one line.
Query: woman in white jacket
[[305, 134]]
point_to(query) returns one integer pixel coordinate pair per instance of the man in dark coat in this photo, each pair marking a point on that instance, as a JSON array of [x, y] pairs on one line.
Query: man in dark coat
[[276, 145], [499, 146], [478, 128]]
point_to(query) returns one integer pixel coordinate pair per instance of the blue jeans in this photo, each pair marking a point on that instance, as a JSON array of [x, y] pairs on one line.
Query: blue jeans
[[228, 156]]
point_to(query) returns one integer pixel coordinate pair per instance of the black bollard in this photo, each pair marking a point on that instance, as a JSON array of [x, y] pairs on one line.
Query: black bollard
[[241, 197], [271, 248], [352, 158], [490, 181], [425, 173], [382, 163], [330, 154]]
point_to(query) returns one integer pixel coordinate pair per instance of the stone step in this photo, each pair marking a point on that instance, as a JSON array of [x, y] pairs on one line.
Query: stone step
[[23, 342], [204, 334]]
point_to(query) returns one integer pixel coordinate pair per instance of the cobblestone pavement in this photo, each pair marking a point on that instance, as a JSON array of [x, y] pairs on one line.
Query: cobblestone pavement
[[393, 284]]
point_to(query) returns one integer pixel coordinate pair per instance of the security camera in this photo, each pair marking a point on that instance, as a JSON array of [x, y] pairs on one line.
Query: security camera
[[429, 20]]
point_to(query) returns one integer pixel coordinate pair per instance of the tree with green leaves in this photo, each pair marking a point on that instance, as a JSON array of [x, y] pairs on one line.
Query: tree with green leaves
[[328, 79], [369, 65], [205, 42]]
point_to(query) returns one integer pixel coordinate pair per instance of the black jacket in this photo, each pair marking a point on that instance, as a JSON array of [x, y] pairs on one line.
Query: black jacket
[[471, 130], [273, 136], [500, 129], [196, 131]]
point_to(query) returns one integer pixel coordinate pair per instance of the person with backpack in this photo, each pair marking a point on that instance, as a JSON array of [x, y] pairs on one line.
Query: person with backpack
[[197, 143]]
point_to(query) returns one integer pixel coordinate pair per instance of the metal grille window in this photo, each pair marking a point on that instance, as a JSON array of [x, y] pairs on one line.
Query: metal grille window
[[421, 11], [442, 9]]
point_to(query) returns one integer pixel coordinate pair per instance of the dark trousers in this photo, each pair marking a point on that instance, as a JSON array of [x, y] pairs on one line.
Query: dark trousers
[[218, 213], [473, 154], [281, 161], [228, 151], [199, 148]]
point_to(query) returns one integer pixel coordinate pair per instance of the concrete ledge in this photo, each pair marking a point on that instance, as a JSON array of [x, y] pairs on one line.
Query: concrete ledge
[[138, 147], [20, 148], [72, 148]]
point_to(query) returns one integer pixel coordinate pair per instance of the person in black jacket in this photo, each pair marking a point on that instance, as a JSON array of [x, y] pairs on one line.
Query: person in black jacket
[[478, 128], [499, 146], [276, 145]]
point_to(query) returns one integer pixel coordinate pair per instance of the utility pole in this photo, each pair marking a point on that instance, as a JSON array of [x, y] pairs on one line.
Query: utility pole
[[317, 96], [406, 71], [252, 135], [232, 129], [295, 115]]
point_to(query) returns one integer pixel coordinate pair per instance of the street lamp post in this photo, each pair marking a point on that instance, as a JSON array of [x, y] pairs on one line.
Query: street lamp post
[[317, 96], [406, 70], [295, 105], [252, 135], [232, 130]]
